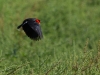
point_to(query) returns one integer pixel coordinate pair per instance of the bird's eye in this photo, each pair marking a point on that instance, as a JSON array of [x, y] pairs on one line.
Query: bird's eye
[[25, 22], [38, 21]]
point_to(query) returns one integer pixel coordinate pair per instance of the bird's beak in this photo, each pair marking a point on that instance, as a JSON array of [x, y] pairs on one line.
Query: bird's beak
[[19, 26]]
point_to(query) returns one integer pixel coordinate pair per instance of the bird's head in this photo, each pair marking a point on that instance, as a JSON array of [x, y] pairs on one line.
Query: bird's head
[[31, 20]]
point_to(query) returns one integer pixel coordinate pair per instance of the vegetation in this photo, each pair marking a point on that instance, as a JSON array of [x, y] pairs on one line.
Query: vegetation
[[71, 43]]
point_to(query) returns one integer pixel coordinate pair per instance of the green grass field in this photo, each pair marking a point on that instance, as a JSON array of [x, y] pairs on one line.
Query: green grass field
[[71, 43]]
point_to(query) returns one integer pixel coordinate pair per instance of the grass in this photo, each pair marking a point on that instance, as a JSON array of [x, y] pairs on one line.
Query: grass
[[71, 43]]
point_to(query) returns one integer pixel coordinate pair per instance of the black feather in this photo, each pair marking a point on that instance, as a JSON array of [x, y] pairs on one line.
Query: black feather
[[32, 28]]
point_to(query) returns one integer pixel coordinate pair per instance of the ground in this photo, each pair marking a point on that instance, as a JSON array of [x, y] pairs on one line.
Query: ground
[[71, 42]]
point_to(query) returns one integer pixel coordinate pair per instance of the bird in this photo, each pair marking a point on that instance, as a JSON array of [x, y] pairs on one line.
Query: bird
[[32, 28]]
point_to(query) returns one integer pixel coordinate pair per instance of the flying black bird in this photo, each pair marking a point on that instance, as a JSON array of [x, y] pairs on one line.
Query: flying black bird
[[31, 27]]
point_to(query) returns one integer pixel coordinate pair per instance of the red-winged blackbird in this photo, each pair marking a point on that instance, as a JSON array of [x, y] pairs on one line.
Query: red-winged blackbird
[[32, 28]]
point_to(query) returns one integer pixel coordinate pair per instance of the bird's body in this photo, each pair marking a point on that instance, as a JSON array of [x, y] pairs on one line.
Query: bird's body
[[32, 28]]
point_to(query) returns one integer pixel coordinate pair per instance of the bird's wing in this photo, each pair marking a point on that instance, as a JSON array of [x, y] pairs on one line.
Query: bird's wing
[[37, 29]]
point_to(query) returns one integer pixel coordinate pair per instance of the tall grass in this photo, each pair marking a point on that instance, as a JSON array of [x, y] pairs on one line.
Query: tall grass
[[70, 45]]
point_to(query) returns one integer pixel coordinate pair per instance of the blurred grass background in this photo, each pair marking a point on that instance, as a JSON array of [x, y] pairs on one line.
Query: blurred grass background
[[70, 46]]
